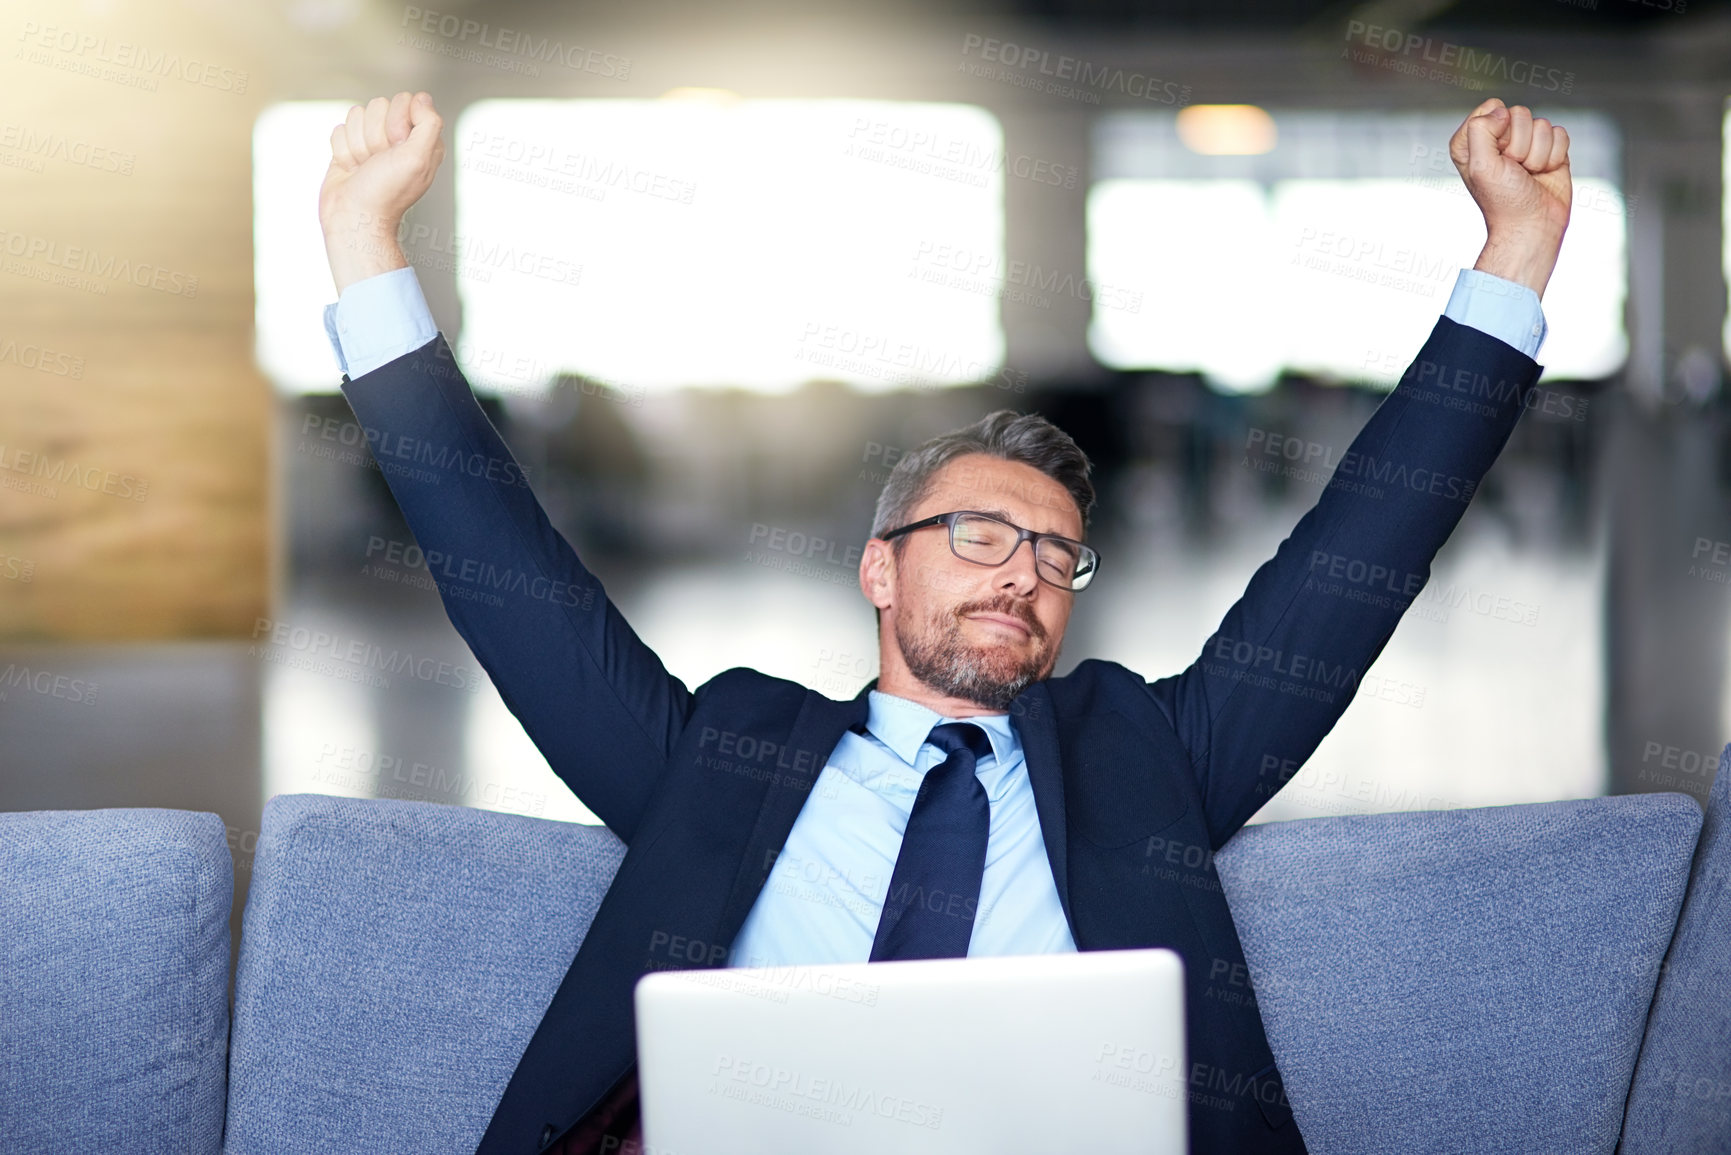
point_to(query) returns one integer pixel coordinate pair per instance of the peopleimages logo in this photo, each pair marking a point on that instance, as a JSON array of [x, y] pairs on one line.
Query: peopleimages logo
[[1429, 58], [352, 659], [47, 683], [387, 450], [549, 164], [96, 267], [44, 360], [888, 358], [1070, 76], [39, 146], [86, 52], [472, 578], [920, 149], [511, 42], [59, 471], [981, 270], [796, 1091]]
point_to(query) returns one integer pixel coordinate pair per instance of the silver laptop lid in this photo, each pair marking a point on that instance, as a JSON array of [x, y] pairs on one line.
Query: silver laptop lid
[[1001, 1056]]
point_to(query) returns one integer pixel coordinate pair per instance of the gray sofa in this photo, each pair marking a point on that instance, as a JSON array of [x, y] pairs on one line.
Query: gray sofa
[[1553, 977]]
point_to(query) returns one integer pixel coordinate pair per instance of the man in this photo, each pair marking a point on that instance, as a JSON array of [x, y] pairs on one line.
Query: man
[[1067, 813]]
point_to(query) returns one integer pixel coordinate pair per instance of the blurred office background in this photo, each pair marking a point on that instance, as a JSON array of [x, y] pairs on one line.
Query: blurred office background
[[713, 269]]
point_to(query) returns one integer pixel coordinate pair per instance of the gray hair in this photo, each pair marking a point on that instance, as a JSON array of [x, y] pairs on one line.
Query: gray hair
[[1025, 437]]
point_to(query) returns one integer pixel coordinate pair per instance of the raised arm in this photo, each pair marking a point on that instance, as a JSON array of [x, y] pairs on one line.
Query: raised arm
[[1288, 657], [596, 701]]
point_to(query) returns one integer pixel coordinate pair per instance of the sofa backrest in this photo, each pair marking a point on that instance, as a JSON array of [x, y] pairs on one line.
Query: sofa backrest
[[1466, 980], [113, 981], [395, 959], [1680, 1103]]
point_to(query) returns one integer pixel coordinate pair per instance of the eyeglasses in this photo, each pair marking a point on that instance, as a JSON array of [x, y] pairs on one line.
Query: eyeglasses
[[987, 540]]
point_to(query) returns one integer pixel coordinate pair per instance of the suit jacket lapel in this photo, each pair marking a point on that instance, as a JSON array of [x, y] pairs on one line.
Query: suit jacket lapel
[[818, 727]]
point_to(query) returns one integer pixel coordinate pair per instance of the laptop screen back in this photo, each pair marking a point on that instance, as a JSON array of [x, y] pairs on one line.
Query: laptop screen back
[[1002, 1055]]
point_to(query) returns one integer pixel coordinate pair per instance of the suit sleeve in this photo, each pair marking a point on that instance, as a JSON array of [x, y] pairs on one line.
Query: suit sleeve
[[1287, 658], [595, 700]]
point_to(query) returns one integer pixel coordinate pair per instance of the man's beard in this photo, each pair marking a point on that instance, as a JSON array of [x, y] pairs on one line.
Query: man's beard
[[987, 676]]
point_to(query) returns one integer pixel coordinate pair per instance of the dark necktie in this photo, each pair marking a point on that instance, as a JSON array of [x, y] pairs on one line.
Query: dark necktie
[[935, 887]]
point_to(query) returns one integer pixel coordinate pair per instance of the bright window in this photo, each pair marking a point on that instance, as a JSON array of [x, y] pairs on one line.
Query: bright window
[[1333, 259], [663, 243], [721, 242], [291, 148]]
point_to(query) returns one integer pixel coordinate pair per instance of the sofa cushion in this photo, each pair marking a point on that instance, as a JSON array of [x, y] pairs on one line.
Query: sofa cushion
[[395, 959], [113, 980], [1468, 980], [1680, 1102]]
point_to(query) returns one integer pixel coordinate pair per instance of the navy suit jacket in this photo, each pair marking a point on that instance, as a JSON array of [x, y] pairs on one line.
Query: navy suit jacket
[[1136, 783]]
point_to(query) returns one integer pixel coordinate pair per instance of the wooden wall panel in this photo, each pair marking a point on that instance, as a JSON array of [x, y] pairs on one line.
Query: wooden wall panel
[[134, 428]]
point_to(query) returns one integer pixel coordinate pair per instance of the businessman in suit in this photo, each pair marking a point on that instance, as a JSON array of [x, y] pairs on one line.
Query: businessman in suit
[[966, 802]]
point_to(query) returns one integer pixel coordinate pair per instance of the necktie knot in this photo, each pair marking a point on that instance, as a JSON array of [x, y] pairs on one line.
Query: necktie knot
[[953, 736]]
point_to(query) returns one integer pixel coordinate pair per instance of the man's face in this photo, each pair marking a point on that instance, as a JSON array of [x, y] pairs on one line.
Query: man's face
[[975, 632]]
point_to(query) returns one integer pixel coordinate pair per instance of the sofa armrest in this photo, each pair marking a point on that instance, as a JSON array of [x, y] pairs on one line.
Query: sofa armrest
[[114, 980], [1461, 980], [1680, 1101]]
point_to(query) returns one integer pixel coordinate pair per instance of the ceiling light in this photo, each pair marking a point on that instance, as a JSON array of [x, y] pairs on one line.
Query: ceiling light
[[1226, 129]]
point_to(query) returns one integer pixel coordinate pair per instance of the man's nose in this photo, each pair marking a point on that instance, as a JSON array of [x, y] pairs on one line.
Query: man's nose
[[1019, 570]]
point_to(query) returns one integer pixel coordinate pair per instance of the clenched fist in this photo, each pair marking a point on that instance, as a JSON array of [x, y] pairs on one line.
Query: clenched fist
[[382, 159], [1516, 167]]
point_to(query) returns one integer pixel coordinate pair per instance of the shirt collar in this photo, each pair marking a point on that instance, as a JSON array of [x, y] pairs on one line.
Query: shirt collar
[[904, 725]]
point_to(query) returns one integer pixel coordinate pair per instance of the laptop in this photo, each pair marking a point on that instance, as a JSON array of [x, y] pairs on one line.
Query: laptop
[[1002, 1056]]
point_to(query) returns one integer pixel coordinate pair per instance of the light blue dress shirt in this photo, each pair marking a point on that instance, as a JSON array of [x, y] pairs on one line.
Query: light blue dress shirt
[[823, 898], [826, 892]]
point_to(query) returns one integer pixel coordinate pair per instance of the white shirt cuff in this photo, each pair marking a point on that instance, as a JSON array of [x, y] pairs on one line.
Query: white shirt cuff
[[1498, 308], [378, 319]]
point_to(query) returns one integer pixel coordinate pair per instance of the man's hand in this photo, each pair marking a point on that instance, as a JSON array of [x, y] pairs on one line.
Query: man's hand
[[382, 159], [1517, 168]]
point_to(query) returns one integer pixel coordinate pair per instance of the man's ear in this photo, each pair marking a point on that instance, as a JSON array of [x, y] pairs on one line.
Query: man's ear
[[877, 573]]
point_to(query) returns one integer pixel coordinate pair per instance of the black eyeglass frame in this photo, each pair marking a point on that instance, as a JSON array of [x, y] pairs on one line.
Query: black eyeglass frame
[[948, 521]]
